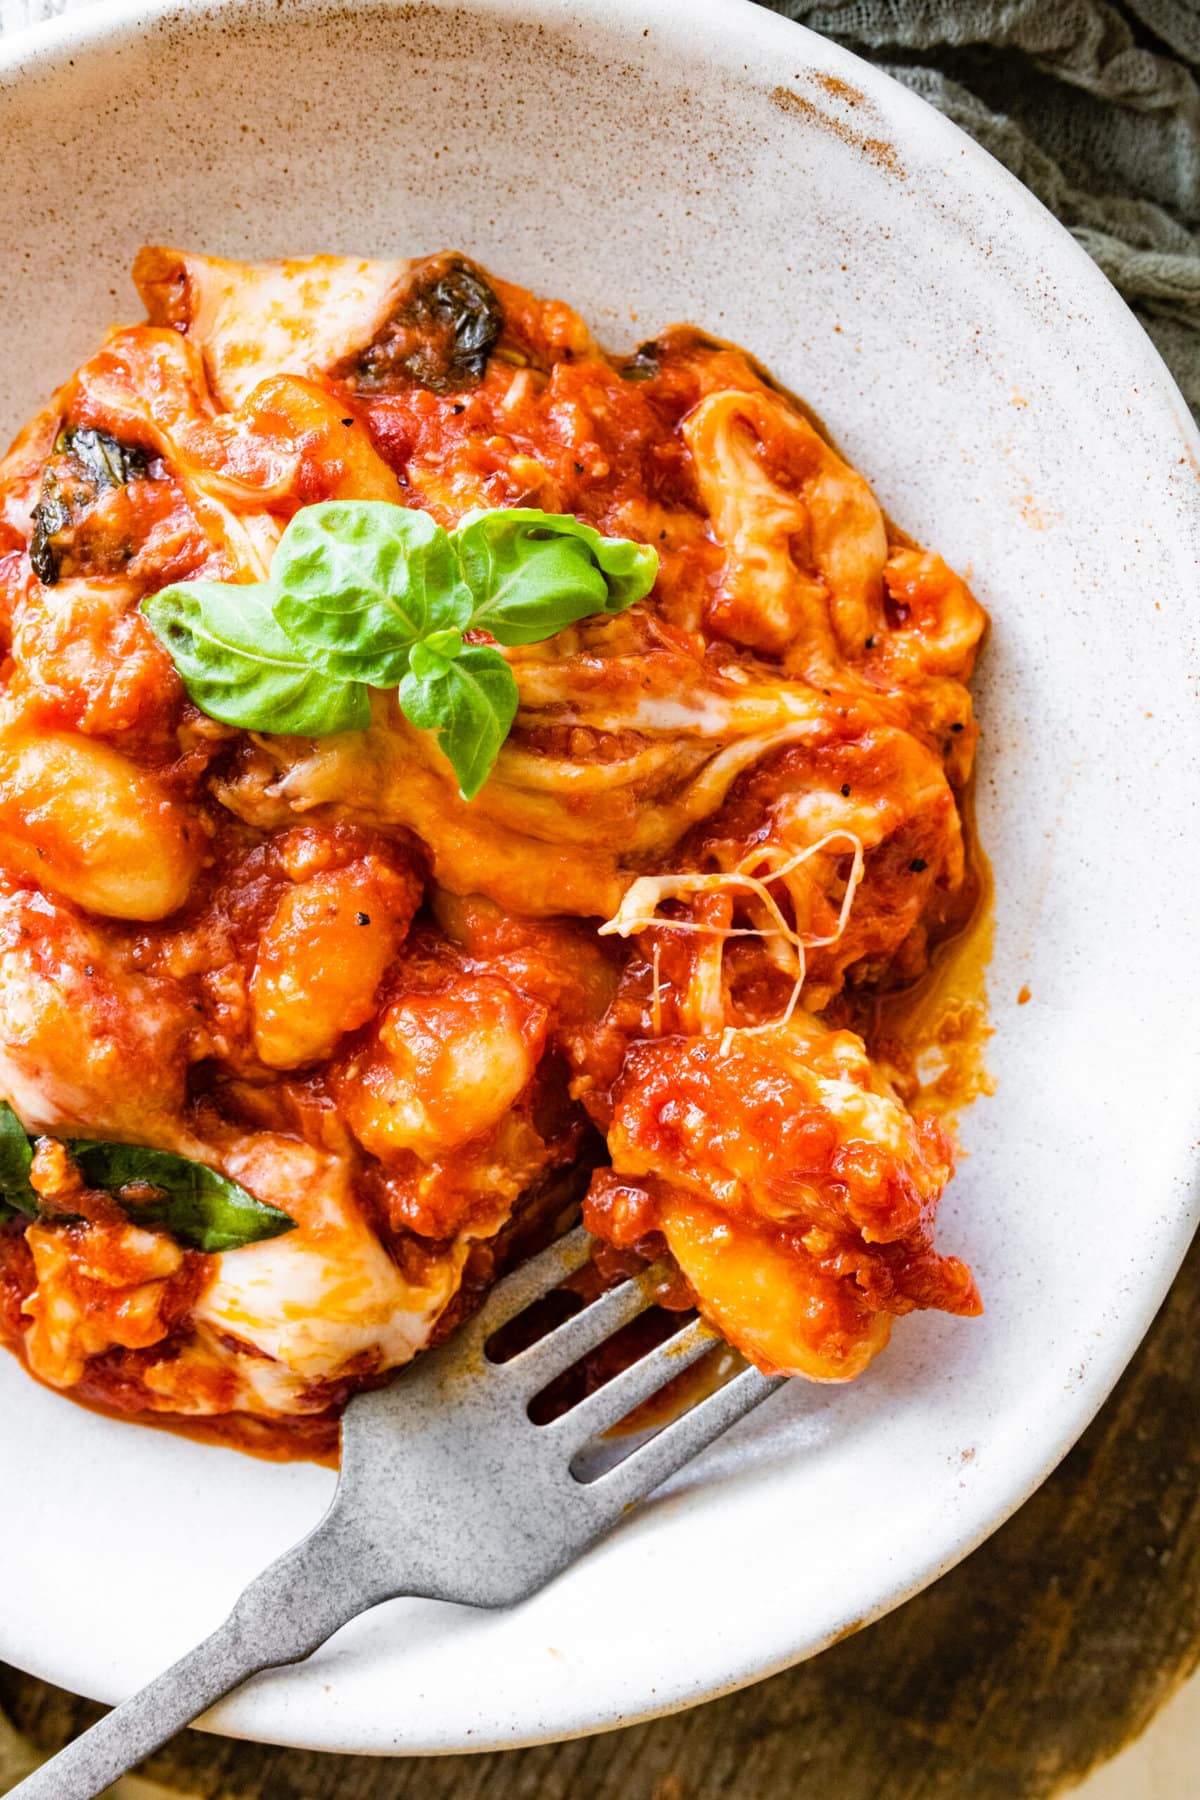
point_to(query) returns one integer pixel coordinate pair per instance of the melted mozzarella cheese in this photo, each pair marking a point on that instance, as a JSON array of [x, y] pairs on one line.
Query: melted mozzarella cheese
[[316, 1303], [804, 564], [260, 319], [327, 1293]]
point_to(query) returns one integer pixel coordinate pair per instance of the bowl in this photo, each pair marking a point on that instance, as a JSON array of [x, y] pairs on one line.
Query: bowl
[[651, 163]]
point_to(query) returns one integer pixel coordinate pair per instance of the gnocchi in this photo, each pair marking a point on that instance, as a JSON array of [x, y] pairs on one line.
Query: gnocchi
[[442, 1068], [322, 957], [80, 820]]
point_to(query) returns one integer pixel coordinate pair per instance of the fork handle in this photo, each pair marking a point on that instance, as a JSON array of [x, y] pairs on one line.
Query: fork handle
[[284, 1615]]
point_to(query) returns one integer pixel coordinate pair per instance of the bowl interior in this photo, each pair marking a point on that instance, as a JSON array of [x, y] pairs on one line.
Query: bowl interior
[[715, 164]]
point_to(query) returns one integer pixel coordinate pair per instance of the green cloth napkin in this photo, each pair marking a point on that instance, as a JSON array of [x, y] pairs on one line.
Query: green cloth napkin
[[1094, 106]]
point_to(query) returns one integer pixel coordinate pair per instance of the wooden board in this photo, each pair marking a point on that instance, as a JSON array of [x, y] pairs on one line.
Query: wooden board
[[1036, 1659]]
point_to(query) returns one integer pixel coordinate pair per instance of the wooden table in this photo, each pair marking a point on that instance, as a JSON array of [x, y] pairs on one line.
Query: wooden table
[[1036, 1659]]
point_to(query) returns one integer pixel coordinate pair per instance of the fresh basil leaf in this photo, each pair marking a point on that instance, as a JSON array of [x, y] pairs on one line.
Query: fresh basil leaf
[[442, 643], [198, 1207], [426, 664], [358, 582], [16, 1159], [238, 666], [533, 573], [470, 702]]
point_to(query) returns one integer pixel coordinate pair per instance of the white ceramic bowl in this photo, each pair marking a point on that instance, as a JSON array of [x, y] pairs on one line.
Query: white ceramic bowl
[[650, 163]]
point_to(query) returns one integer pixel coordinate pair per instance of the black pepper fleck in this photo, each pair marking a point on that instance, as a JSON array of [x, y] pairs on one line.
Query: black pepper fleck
[[917, 864], [579, 468], [957, 727], [869, 644], [363, 918], [845, 790], [347, 421], [458, 407]]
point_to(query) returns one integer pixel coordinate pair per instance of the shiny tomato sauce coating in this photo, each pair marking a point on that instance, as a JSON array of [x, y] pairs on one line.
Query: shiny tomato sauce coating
[[724, 824]]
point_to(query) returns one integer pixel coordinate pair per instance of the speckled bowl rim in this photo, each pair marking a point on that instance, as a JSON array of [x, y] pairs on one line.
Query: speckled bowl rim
[[729, 24]]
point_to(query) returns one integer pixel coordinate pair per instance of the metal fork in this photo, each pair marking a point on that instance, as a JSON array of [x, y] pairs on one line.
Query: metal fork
[[447, 1492]]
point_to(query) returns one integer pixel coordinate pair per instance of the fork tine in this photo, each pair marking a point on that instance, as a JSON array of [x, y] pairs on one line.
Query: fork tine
[[676, 1444], [551, 1354], [610, 1403], [513, 1293]]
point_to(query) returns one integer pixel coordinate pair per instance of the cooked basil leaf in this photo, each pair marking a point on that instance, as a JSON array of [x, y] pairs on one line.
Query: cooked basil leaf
[[470, 702], [358, 582], [85, 464], [52, 517], [16, 1159], [238, 666], [198, 1207], [463, 301], [440, 336], [106, 461], [533, 573]]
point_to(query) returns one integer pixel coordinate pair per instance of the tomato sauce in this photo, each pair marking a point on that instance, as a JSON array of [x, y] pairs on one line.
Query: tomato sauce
[[714, 924]]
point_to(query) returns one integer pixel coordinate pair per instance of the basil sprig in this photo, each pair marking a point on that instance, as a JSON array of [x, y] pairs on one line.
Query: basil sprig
[[194, 1204], [365, 594]]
